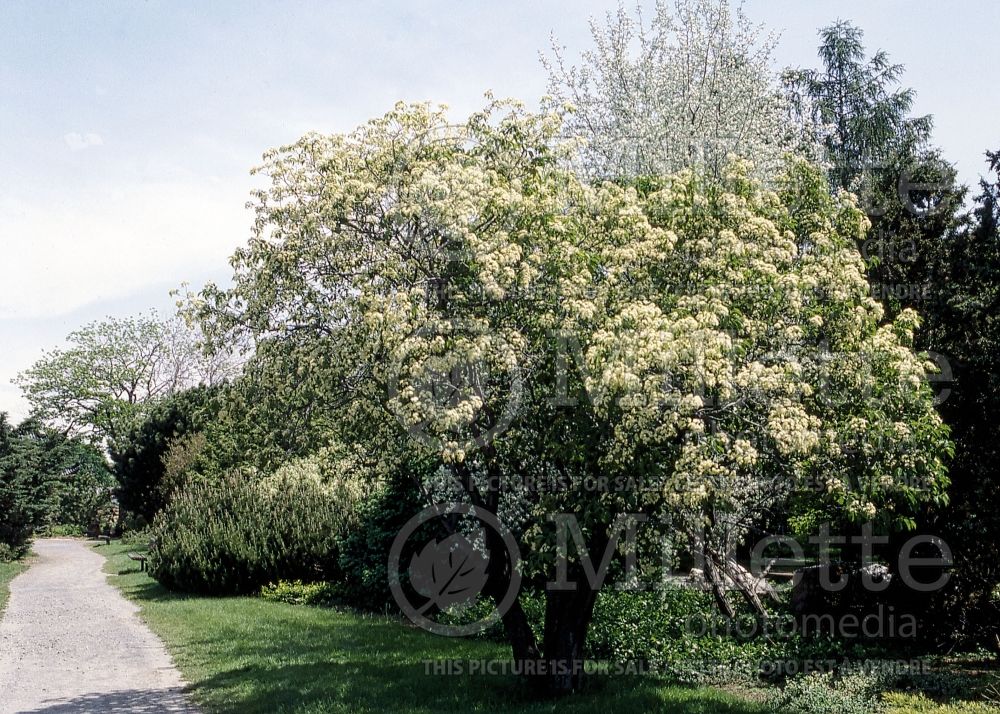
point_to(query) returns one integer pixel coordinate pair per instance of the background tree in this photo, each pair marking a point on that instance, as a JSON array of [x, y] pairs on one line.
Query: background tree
[[715, 321], [857, 101], [877, 150], [26, 490], [688, 89], [147, 451], [82, 483], [85, 490], [964, 325], [103, 383], [48, 479]]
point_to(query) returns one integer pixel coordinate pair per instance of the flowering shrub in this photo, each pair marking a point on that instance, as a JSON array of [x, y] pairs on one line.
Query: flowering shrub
[[484, 311]]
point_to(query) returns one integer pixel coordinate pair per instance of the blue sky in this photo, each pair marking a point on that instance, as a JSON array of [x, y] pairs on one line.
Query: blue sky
[[127, 129]]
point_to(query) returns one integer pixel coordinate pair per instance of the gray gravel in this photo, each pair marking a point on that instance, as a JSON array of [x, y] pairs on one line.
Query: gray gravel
[[69, 642]]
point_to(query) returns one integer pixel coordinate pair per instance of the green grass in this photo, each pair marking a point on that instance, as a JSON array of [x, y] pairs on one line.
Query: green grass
[[904, 703], [250, 656], [8, 571]]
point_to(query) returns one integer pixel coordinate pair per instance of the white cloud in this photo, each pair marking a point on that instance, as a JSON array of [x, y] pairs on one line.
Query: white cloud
[[110, 242], [69, 261], [78, 142]]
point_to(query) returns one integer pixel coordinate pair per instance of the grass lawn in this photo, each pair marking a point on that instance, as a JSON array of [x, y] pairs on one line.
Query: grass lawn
[[250, 656], [8, 571]]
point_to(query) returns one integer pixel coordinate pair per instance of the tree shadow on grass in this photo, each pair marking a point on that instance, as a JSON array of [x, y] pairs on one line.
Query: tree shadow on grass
[[361, 686], [146, 589], [134, 701], [151, 591], [382, 683], [133, 570], [250, 656]]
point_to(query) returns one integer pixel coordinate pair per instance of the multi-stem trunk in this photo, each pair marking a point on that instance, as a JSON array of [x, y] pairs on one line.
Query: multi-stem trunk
[[567, 617]]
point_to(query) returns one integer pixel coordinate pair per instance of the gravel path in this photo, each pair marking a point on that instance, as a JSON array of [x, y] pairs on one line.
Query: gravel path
[[70, 643]]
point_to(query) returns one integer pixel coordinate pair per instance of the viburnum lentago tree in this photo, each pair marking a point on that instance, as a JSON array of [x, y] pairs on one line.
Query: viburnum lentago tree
[[495, 315]]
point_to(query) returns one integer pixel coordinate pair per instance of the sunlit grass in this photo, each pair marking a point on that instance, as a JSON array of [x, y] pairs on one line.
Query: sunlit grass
[[247, 655], [9, 571]]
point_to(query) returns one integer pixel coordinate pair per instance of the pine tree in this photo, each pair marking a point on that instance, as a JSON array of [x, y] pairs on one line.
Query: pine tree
[[858, 101]]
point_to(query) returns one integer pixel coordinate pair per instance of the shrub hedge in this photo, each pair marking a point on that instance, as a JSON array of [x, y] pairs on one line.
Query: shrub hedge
[[243, 532]]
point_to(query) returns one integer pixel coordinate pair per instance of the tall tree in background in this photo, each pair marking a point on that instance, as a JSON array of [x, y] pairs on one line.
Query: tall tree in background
[[689, 88], [964, 324], [112, 371], [83, 484], [864, 112], [877, 150]]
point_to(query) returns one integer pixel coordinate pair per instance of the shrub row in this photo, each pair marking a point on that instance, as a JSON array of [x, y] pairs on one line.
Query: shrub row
[[242, 532]]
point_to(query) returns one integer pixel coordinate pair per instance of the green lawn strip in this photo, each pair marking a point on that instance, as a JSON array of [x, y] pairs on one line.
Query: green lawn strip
[[247, 655], [9, 571], [906, 703]]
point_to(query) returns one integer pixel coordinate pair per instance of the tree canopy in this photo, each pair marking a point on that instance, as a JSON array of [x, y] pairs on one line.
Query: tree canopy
[[688, 89], [723, 331], [857, 101], [102, 384]]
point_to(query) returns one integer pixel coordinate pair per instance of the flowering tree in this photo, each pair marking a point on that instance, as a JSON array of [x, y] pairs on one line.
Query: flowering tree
[[688, 89], [484, 309]]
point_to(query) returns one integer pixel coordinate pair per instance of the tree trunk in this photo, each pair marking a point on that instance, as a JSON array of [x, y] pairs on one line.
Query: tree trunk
[[520, 636], [746, 583], [567, 617], [515, 622], [715, 579]]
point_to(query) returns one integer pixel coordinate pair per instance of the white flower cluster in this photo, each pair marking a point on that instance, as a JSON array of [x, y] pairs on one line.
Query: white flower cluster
[[717, 333], [794, 430]]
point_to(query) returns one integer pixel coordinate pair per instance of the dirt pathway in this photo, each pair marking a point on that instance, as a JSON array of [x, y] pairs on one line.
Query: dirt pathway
[[69, 642]]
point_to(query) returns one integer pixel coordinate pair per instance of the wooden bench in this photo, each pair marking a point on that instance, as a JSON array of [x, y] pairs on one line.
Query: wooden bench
[[140, 558], [105, 538]]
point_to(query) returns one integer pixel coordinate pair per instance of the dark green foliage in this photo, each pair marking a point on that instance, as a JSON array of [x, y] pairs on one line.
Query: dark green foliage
[[964, 325], [364, 551], [46, 479], [139, 465], [915, 202], [275, 411], [26, 488], [860, 102], [83, 488], [237, 535]]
